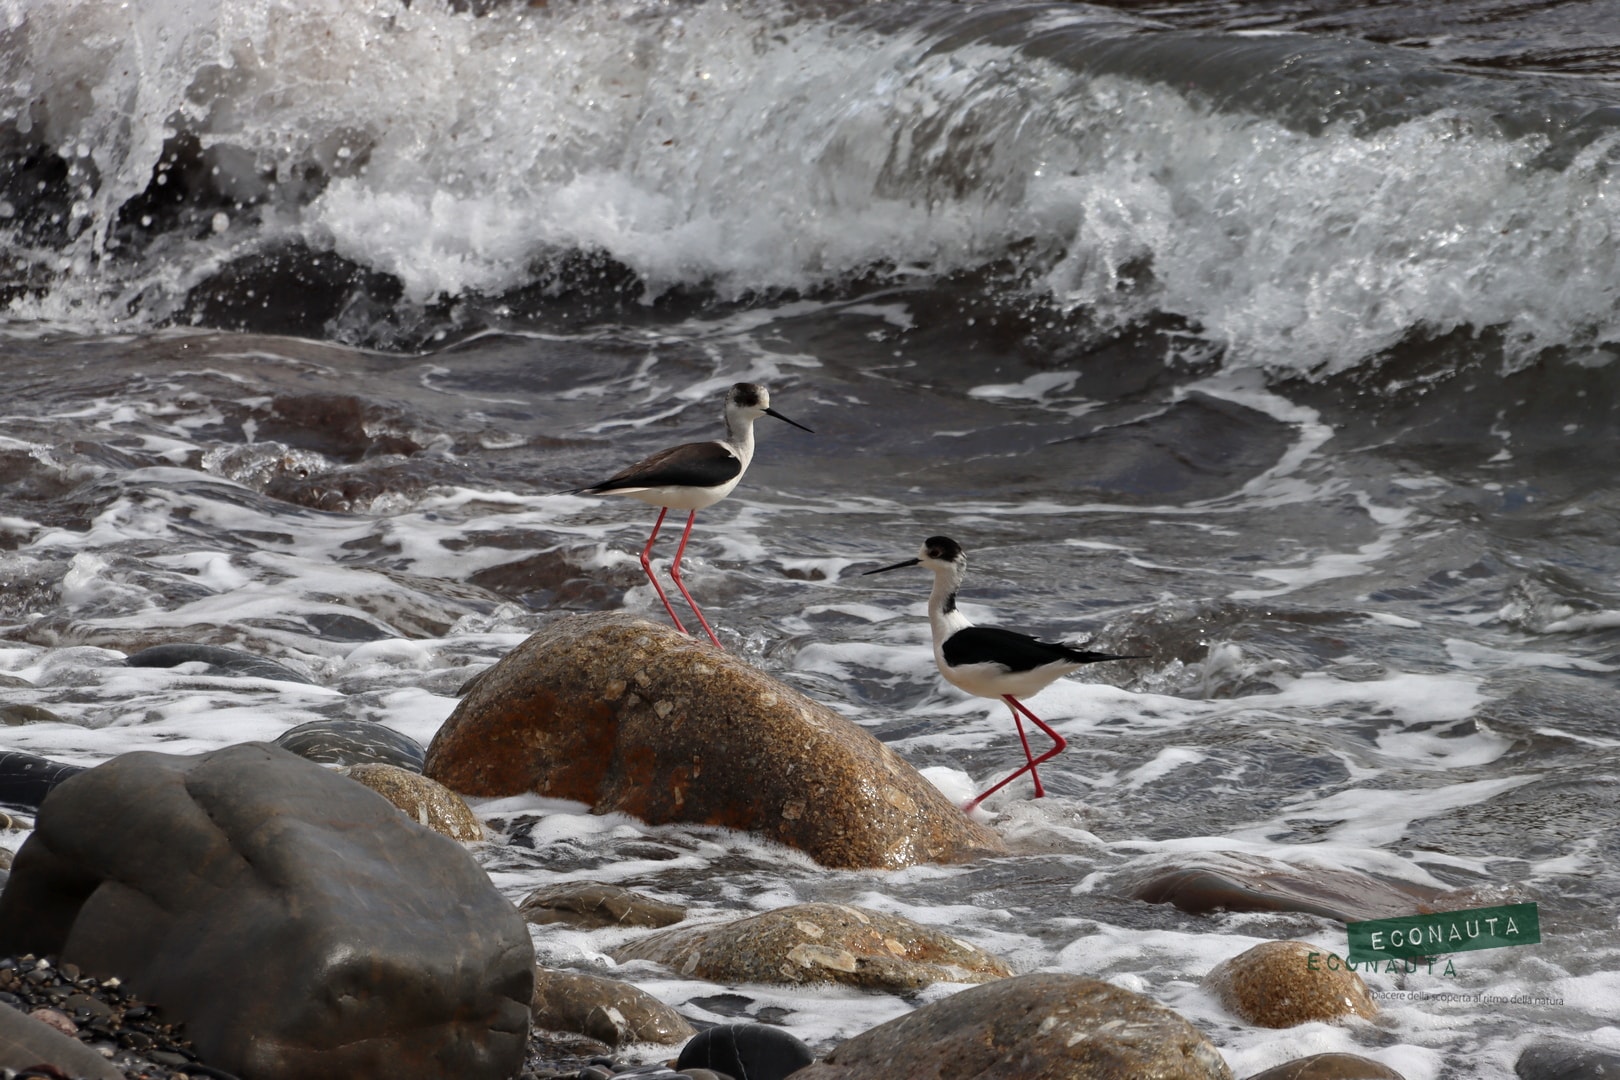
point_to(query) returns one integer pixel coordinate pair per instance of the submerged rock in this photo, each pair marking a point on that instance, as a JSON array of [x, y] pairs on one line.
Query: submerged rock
[[609, 1010], [627, 715], [818, 943], [1279, 984], [1247, 884], [589, 905], [1563, 1059], [1030, 1027], [295, 923], [352, 742], [426, 802], [220, 660]]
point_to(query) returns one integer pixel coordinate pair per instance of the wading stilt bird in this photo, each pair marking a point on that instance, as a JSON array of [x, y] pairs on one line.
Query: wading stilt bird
[[991, 662], [690, 477]]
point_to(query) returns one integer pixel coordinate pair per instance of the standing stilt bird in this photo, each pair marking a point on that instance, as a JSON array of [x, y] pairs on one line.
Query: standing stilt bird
[[690, 477], [990, 662]]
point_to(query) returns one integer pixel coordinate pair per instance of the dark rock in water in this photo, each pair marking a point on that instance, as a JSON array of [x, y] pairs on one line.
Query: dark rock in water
[[291, 290], [223, 661], [818, 943], [1251, 885], [25, 780], [631, 716], [1280, 984], [427, 802], [609, 1010], [1330, 1067], [1027, 1028], [352, 742], [297, 924], [589, 905], [757, 1051], [1561, 1059]]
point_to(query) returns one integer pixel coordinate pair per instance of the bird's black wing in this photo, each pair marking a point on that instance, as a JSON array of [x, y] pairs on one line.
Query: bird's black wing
[[705, 464], [1015, 651]]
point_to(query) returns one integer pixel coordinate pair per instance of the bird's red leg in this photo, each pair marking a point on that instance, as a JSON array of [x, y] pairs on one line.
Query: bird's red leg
[[646, 564], [1018, 721], [1059, 745], [675, 575]]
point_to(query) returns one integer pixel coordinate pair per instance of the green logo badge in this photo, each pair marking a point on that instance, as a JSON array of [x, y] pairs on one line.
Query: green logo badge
[[1445, 932]]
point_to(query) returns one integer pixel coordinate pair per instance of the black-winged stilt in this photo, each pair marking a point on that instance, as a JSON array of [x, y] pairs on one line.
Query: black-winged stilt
[[990, 662], [690, 477]]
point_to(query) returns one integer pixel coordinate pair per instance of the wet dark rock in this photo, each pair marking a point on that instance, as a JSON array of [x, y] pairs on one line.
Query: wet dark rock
[[220, 660], [818, 943], [589, 905], [755, 1051], [609, 1010], [1254, 885], [1280, 984], [374, 946], [1564, 1059], [25, 779], [292, 290], [352, 742], [427, 802], [1330, 1067], [631, 716], [1026, 1028]]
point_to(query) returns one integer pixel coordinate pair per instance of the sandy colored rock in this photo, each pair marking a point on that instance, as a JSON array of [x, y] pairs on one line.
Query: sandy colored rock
[[609, 1010], [818, 943], [426, 802], [1030, 1027], [1279, 984], [1330, 1067], [589, 905], [628, 715]]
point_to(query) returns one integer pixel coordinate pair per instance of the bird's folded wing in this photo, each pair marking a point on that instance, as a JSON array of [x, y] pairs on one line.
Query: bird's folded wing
[[692, 465]]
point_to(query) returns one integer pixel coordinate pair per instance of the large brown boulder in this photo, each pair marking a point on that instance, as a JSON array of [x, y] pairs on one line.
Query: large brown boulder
[[1030, 1027], [818, 943], [627, 715]]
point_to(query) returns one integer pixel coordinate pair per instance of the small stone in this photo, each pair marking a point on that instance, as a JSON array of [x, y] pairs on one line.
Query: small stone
[[58, 1020], [756, 1051], [1330, 1067], [1280, 984]]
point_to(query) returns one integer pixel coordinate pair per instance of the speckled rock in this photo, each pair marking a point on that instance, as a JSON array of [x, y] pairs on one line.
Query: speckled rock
[[609, 1010], [426, 802], [628, 715], [1330, 1067], [818, 943], [1030, 1027], [1279, 984], [588, 905]]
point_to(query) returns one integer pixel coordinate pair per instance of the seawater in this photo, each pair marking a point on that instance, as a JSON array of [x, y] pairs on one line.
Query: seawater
[[1286, 357]]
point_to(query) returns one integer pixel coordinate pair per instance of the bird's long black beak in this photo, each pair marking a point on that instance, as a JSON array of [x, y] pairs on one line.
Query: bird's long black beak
[[779, 416], [896, 566]]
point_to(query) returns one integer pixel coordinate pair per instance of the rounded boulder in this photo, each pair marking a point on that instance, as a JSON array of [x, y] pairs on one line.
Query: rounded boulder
[[625, 715]]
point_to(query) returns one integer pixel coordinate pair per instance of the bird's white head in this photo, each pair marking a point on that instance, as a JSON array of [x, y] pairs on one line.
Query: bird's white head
[[747, 402], [940, 554]]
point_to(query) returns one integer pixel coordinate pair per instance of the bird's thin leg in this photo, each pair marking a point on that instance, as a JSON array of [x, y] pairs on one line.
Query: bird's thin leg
[[1018, 721], [1059, 744], [646, 565], [675, 575]]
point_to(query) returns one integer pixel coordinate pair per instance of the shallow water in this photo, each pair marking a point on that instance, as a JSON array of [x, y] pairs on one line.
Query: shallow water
[[1309, 394]]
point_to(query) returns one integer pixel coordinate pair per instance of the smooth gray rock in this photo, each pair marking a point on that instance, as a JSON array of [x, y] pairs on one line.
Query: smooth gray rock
[[352, 742], [296, 922], [26, 1042], [221, 661]]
